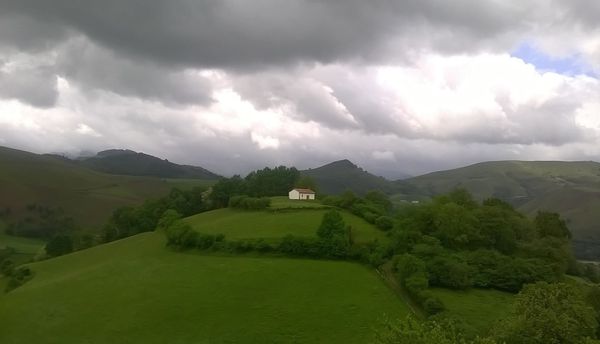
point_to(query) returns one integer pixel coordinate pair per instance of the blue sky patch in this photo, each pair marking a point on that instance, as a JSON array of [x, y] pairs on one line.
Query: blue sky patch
[[570, 65]]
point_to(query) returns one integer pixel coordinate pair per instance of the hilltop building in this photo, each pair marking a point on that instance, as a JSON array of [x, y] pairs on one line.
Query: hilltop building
[[302, 194]]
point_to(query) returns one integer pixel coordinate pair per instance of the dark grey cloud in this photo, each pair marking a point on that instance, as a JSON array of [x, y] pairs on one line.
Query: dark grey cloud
[[242, 34], [33, 85], [93, 67]]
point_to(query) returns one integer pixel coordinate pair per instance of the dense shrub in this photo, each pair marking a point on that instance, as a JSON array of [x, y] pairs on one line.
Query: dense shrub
[[433, 305], [249, 203]]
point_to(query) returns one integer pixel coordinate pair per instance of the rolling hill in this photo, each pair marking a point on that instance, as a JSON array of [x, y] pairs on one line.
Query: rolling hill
[[88, 196], [137, 291], [127, 162], [570, 188], [339, 176]]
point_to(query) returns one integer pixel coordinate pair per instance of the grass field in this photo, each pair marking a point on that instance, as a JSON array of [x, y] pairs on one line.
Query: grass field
[[272, 225], [478, 308], [137, 291]]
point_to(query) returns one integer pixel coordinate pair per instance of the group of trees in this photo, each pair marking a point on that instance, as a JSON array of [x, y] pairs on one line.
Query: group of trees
[[375, 207], [42, 222], [127, 221], [463, 244], [16, 275], [262, 183]]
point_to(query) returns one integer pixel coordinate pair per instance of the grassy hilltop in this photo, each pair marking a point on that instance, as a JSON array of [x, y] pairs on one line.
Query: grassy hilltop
[[298, 218], [137, 291]]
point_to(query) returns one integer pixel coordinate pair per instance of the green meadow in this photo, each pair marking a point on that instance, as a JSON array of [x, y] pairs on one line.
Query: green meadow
[[25, 248], [478, 309], [272, 225], [137, 291]]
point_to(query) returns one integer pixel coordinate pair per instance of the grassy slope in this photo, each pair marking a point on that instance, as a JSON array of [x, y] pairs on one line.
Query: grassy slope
[[241, 224], [137, 291], [570, 188], [478, 308], [86, 195]]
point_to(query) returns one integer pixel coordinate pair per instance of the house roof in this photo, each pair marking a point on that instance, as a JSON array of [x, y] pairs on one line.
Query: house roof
[[308, 191]]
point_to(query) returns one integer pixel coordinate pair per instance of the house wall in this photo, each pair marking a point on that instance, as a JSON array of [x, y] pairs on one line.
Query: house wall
[[294, 194]]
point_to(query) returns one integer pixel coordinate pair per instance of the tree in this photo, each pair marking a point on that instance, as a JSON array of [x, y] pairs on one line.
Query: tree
[[332, 225], [168, 218], [307, 182], [549, 313], [550, 224], [59, 245]]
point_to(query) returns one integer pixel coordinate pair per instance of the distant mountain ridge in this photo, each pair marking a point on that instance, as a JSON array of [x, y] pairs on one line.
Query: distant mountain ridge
[[342, 175], [128, 162]]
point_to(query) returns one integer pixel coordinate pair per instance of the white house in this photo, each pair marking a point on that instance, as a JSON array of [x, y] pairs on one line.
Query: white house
[[302, 194]]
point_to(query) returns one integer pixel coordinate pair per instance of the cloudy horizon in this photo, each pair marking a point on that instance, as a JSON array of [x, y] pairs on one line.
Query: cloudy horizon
[[405, 87]]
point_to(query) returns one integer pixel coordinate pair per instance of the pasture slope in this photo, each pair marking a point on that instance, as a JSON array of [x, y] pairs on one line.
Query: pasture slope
[[137, 291], [88, 196], [298, 218]]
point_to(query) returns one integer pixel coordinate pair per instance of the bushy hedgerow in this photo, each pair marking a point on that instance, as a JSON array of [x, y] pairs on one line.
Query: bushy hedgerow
[[249, 203]]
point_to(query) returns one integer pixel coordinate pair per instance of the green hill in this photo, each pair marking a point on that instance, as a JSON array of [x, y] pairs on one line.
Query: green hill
[[137, 291], [127, 162], [570, 188], [273, 225], [339, 176], [86, 195]]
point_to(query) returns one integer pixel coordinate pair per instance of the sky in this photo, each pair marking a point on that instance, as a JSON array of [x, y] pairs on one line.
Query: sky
[[397, 87]]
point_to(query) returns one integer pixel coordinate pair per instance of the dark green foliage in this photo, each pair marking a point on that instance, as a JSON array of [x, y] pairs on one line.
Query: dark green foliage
[[456, 226], [225, 189], [7, 267], [168, 218], [413, 274], [272, 182], [380, 199], [491, 245], [332, 225], [129, 221], [384, 223], [334, 235], [262, 183], [249, 203], [450, 272], [59, 245], [549, 313], [42, 222], [551, 225], [307, 182], [433, 305], [18, 277]]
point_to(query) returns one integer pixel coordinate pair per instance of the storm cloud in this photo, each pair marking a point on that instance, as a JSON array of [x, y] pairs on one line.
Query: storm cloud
[[232, 85]]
